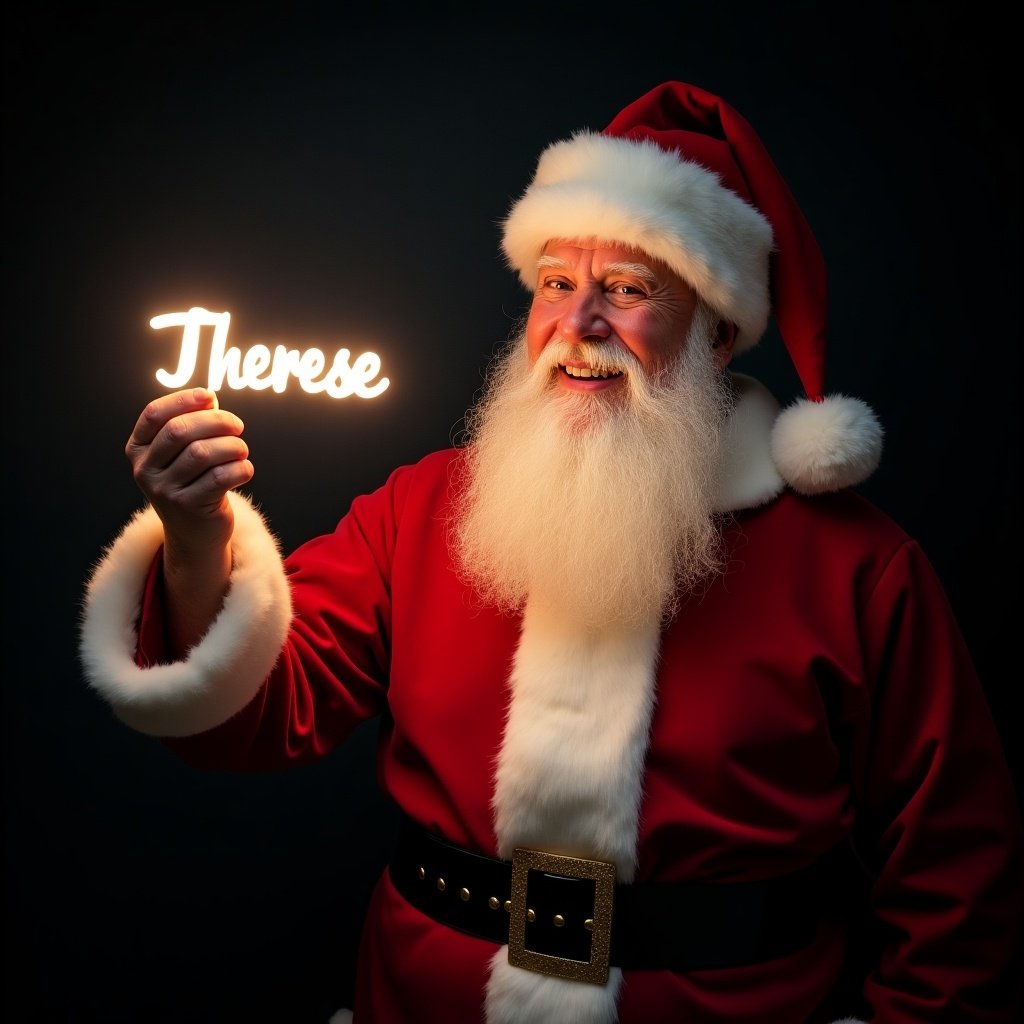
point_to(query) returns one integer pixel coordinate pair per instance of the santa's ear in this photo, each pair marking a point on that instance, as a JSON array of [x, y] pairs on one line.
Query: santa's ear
[[725, 340]]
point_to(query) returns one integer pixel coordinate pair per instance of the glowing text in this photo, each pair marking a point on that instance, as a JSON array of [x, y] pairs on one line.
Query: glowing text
[[259, 367]]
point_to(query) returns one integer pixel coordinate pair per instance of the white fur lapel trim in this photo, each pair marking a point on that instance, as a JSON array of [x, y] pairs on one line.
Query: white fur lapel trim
[[225, 670], [515, 996], [569, 779], [749, 477]]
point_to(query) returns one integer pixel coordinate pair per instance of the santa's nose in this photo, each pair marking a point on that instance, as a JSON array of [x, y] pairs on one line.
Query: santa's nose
[[583, 318]]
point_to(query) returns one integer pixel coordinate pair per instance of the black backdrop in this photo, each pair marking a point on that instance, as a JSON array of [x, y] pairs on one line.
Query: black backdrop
[[336, 178]]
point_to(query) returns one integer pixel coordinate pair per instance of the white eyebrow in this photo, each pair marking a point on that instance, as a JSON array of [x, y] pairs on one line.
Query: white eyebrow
[[639, 270], [635, 269], [552, 261]]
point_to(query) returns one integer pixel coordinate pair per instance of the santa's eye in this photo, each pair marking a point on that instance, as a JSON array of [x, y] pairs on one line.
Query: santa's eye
[[556, 284], [627, 289]]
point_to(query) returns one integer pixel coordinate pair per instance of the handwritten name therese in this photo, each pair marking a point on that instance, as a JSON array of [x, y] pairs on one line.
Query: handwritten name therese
[[260, 368]]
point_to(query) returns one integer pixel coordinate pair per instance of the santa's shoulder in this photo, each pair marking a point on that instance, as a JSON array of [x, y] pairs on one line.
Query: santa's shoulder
[[831, 528]]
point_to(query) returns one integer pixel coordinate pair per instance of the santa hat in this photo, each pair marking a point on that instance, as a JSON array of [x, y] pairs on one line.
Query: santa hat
[[683, 177]]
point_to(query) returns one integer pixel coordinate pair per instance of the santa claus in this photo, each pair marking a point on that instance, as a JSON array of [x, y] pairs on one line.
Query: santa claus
[[658, 689]]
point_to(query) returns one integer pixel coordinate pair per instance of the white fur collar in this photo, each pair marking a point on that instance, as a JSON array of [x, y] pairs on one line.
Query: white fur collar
[[749, 477]]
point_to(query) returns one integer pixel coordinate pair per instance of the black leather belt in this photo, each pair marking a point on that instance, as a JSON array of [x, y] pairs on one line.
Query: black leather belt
[[568, 917]]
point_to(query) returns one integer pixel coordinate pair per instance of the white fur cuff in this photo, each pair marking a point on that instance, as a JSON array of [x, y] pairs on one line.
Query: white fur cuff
[[225, 670]]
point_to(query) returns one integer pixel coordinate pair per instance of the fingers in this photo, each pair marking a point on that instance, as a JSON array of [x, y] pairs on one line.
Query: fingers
[[193, 435], [160, 410], [186, 452], [205, 455]]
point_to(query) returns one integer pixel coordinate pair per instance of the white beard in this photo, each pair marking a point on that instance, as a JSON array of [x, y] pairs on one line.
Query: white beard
[[602, 508]]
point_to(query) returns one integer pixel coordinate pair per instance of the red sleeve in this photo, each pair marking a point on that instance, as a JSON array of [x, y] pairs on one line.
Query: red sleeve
[[941, 821], [153, 643], [333, 671]]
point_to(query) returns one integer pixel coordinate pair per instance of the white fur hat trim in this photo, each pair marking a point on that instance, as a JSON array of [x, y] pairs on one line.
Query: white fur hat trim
[[635, 193]]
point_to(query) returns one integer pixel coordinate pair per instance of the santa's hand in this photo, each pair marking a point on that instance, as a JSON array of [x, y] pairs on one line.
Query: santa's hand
[[186, 453]]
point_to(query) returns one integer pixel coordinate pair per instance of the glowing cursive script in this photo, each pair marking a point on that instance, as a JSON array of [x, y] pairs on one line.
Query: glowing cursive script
[[259, 367]]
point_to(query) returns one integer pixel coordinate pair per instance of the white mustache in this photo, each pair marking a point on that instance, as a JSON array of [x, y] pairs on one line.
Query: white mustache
[[603, 357]]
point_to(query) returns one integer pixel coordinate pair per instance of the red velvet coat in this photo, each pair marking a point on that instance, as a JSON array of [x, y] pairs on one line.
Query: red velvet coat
[[819, 688]]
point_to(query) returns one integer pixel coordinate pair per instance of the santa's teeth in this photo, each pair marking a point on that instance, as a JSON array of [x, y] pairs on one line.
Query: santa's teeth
[[586, 373]]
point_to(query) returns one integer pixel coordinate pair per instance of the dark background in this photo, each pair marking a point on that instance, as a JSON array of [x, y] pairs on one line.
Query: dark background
[[336, 178]]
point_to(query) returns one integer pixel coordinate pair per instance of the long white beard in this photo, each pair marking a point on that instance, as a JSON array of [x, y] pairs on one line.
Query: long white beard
[[603, 508]]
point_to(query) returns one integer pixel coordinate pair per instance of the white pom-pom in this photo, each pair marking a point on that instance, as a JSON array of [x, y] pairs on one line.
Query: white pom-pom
[[828, 445]]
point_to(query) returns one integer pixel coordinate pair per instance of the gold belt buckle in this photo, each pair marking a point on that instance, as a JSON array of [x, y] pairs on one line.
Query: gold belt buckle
[[602, 874]]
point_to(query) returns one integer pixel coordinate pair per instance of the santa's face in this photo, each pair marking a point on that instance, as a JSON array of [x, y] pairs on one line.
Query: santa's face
[[597, 498], [607, 295]]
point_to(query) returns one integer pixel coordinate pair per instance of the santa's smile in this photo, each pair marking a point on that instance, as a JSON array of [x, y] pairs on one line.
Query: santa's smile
[[582, 376]]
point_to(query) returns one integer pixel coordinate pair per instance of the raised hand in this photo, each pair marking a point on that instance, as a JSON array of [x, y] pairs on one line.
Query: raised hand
[[186, 453]]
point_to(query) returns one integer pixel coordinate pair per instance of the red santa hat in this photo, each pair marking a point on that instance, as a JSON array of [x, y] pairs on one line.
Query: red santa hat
[[680, 175]]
